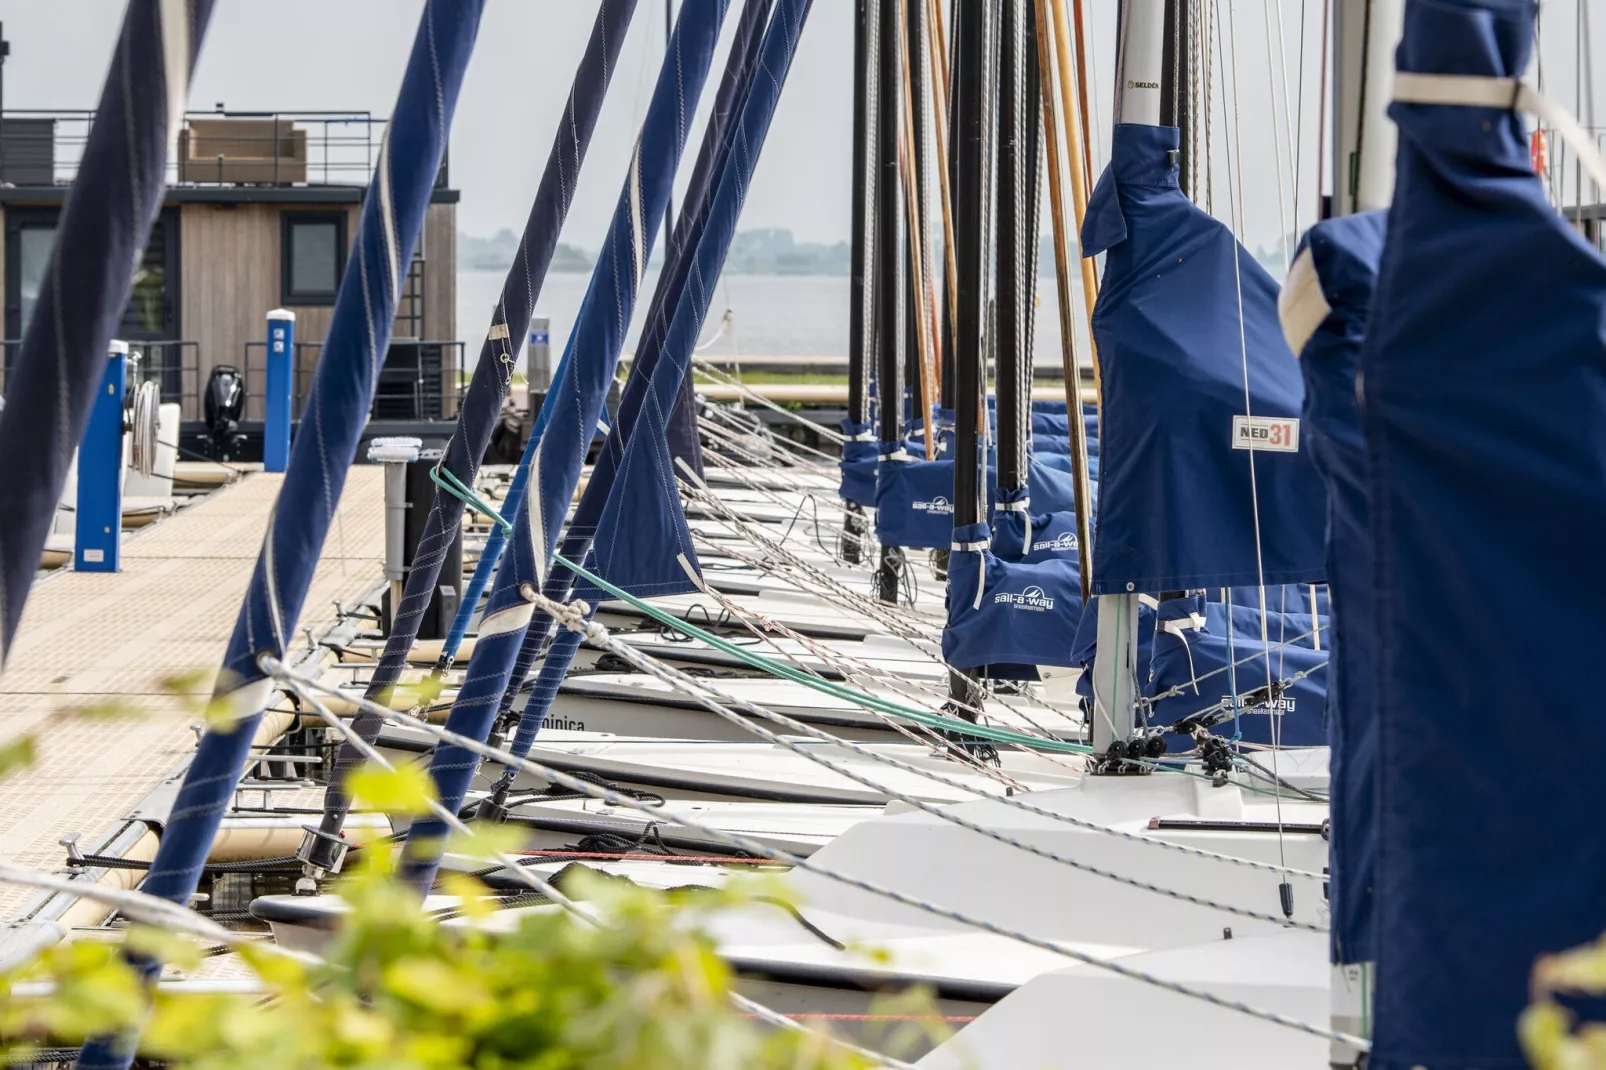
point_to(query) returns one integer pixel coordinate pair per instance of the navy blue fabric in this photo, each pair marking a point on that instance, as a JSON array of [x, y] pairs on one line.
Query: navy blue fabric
[[1027, 614], [642, 542], [333, 420], [574, 402], [1207, 666], [51, 382], [1484, 371], [482, 404], [914, 506], [1345, 253], [1053, 536], [711, 158], [1175, 508], [858, 465]]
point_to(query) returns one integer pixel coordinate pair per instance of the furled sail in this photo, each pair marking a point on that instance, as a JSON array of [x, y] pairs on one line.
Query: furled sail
[[335, 414], [51, 384], [482, 403], [1325, 310], [571, 410], [1484, 409]]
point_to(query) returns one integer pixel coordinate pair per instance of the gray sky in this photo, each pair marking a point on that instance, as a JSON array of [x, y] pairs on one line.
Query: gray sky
[[349, 54]]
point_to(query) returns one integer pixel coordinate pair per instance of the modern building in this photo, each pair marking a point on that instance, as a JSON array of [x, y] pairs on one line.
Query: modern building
[[260, 212]]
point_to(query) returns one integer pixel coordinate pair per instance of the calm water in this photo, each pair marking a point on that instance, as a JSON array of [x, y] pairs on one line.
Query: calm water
[[775, 315]]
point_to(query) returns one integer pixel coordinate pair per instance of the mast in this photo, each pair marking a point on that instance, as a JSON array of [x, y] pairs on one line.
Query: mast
[[947, 387], [915, 212], [863, 187], [854, 525], [1365, 36], [970, 166], [1012, 420], [1143, 84], [1176, 103], [889, 261]]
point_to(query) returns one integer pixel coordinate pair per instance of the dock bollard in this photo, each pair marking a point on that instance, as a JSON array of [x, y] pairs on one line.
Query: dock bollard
[[280, 379], [98, 535], [395, 454]]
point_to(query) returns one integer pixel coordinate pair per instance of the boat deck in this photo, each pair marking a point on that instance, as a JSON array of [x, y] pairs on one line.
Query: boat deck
[[87, 639]]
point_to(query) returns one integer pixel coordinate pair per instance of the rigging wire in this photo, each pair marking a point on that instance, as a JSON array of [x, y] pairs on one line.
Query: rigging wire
[[1115, 966]]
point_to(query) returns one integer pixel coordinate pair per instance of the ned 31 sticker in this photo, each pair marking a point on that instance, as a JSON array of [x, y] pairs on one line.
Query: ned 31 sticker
[[1277, 433]]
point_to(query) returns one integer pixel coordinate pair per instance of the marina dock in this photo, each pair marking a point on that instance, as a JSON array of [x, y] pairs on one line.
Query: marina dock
[[89, 638]]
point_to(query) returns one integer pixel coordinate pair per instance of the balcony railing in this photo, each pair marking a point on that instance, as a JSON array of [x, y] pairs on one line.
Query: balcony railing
[[216, 148]]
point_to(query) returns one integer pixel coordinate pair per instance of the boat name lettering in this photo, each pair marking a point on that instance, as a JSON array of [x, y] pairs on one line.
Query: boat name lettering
[[1277, 433]]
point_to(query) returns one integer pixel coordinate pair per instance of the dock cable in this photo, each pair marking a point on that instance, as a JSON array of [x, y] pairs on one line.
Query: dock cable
[[307, 686]]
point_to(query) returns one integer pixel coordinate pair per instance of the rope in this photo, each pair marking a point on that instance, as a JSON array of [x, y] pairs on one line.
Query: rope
[[305, 685], [146, 421], [444, 479], [599, 634]]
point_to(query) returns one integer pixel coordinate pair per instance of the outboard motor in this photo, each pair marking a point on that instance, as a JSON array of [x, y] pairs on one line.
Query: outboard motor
[[225, 404]]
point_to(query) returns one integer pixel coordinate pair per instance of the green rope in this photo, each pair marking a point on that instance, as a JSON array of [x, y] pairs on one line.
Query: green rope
[[859, 698], [798, 676], [465, 494]]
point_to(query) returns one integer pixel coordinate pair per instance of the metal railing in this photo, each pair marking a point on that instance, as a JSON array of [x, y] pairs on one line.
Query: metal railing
[[422, 379], [174, 365], [272, 148]]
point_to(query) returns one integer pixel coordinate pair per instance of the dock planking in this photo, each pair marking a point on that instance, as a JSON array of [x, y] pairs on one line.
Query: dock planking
[[90, 638]]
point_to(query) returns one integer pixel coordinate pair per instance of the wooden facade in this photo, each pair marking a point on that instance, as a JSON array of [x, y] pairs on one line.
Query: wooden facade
[[228, 264]]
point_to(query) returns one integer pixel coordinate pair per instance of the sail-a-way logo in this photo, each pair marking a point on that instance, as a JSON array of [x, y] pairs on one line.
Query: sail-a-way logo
[[1065, 540], [939, 504], [1031, 598]]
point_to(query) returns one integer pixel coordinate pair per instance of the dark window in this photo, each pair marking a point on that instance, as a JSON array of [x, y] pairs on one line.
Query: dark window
[[313, 256]]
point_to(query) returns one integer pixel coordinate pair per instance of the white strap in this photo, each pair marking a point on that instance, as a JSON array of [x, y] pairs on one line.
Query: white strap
[[863, 436], [1512, 94], [1148, 600], [968, 547], [1193, 622], [1013, 507], [1302, 306], [899, 454]]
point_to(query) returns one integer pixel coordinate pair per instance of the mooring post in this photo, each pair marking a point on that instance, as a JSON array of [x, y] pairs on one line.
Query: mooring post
[[280, 380], [98, 535]]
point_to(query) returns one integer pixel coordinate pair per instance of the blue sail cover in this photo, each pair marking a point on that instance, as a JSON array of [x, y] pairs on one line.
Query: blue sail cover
[[482, 404], [1006, 616], [1176, 509], [858, 464], [1339, 259], [1206, 652], [1484, 370], [571, 409], [914, 506], [52, 382]]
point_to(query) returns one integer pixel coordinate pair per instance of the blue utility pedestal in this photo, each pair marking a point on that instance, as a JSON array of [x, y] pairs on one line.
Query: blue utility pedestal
[[99, 534], [280, 376]]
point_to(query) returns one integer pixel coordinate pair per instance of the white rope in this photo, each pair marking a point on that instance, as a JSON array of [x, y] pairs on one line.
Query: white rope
[[514, 865], [146, 420], [1235, 178], [599, 634], [613, 798]]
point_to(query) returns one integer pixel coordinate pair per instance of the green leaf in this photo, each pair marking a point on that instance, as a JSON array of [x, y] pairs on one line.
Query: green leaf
[[17, 754], [405, 790]]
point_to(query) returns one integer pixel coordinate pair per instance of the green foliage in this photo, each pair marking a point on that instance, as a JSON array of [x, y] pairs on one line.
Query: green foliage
[[398, 990], [1546, 1027]]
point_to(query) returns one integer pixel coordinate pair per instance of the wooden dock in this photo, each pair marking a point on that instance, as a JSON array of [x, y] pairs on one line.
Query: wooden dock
[[87, 639]]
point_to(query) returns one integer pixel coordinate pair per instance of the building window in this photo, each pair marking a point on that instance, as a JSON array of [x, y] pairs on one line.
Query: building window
[[313, 255]]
